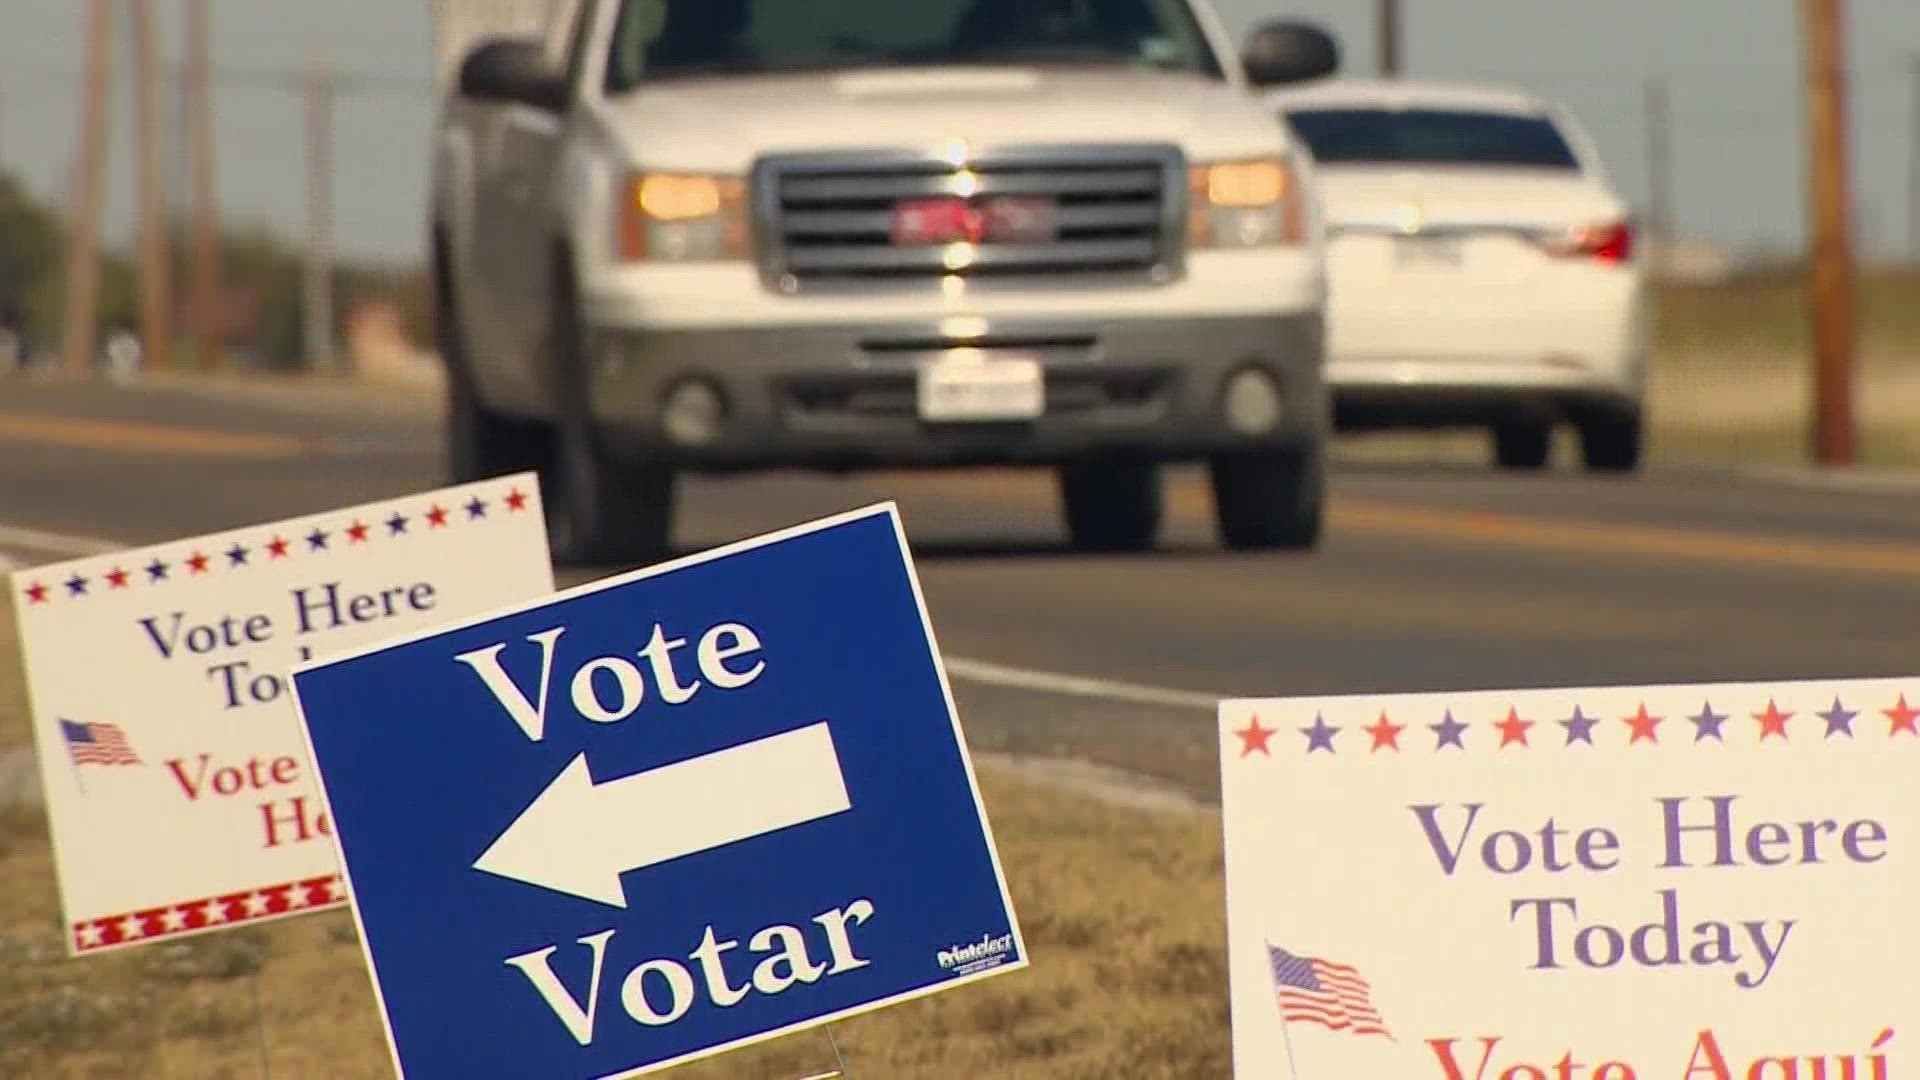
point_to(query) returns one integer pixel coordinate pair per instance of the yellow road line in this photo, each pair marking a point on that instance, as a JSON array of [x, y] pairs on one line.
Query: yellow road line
[[1192, 503], [86, 433]]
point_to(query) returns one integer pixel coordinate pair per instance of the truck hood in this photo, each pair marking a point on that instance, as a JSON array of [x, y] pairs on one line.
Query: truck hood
[[722, 124]]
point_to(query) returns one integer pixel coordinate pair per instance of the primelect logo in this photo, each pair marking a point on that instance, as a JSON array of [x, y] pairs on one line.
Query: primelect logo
[[988, 952]]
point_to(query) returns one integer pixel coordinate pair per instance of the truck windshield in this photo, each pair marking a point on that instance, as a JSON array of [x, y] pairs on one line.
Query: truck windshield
[[1361, 136], [664, 39]]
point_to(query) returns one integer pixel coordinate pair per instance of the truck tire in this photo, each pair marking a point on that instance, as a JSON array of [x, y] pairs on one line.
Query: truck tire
[[481, 443], [1111, 505], [1611, 443], [1522, 444], [600, 510], [1270, 500]]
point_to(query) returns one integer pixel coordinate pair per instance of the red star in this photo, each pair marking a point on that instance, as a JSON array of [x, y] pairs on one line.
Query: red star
[[1385, 734], [277, 547], [1643, 726], [357, 532], [198, 563], [1252, 737], [1773, 721], [117, 578], [36, 593], [1513, 729], [436, 516], [517, 502], [1902, 716]]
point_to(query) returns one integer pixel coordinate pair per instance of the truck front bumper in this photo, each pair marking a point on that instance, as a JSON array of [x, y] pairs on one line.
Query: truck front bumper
[[845, 397]]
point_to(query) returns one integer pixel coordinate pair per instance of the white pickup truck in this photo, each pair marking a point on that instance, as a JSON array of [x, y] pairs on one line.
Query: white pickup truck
[[675, 236]]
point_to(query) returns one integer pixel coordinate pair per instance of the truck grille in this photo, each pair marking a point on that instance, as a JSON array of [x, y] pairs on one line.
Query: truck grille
[[870, 219]]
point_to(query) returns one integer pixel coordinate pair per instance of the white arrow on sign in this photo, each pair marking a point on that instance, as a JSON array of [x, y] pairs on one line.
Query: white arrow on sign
[[578, 837]]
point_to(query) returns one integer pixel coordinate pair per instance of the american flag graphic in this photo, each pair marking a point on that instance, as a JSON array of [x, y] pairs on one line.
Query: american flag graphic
[[98, 744], [1318, 992]]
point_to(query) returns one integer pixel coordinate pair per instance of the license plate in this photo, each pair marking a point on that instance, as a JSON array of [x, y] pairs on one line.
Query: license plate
[[1435, 251], [973, 388]]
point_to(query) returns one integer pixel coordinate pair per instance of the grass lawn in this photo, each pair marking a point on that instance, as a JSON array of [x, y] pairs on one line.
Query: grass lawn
[[1122, 911]]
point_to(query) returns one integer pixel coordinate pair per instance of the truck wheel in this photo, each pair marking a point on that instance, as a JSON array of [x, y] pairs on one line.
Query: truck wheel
[[1270, 500], [600, 509], [481, 443], [1522, 444], [1111, 505], [1611, 443]]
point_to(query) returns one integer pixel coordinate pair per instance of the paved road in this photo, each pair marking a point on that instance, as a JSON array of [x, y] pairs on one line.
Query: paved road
[[1431, 578]]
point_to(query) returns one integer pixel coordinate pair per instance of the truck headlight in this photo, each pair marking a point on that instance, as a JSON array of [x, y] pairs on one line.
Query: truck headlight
[[681, 217], [1243, 204]]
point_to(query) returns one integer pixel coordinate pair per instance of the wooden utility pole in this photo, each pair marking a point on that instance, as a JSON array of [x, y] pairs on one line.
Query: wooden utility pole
[[1913, 169], [1387, 31], [1659, 178], [156, 292], [318, 314], [1823, 39], [80, 331], [205, 225]]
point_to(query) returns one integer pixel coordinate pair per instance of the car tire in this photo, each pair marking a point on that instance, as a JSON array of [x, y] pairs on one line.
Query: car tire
[[1522, 444], [600, 510], [1112, 505], [1611, 443], [1270, 500], [480, 442]]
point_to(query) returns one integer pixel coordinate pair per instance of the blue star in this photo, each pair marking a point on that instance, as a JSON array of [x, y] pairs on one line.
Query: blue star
[[1707, 723], [156, 571], [1449, 731], [1839, 720], [396, 524], [236, 556], [1579, 727], [76, 586], [316, 541], [476, 509], [1320, 735]]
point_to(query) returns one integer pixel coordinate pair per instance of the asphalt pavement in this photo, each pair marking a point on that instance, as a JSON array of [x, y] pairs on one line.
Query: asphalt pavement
[[1430, 578]]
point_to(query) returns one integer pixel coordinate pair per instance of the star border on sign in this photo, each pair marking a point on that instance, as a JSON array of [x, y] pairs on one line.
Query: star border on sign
[[1320, 734], [1644, 725], [1449, 731], [476, 508], [1580, 727], [1773, 722], [1513, 730], [1708, 723], [1839, 720], [397, 524], [1254, 737], [1902, 718], [1386, 734]]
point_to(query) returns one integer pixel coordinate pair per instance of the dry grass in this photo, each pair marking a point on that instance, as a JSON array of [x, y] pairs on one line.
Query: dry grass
[[1122, 911]]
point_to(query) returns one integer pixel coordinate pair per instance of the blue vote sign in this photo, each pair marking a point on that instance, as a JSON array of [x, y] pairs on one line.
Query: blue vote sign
[[661, 815]]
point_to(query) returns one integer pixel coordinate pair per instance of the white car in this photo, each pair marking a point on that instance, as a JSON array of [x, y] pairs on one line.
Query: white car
[[1482, 271]]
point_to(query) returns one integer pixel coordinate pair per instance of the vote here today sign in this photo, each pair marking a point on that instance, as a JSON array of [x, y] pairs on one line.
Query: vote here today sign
[[1705, 882], [177, 781]]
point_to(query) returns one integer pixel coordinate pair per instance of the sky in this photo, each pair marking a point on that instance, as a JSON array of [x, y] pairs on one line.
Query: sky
[[1731, 69]]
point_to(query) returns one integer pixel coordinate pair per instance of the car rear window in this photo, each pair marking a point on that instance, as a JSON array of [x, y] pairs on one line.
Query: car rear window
[[1432, 137]]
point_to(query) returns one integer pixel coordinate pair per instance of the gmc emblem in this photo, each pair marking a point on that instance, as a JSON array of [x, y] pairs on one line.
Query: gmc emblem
[[950, 219]]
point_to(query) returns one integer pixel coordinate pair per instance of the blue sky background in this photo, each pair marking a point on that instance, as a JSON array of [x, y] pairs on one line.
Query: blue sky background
[[1731, 66]]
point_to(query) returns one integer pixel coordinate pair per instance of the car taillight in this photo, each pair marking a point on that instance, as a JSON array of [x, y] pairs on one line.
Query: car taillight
[[1610, 243]]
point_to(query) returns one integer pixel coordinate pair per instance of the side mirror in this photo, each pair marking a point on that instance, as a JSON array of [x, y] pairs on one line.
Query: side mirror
[[512, 69], [1288, 51]]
